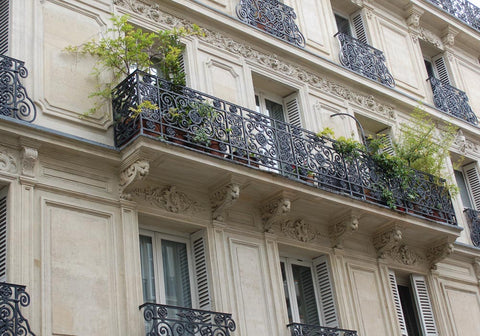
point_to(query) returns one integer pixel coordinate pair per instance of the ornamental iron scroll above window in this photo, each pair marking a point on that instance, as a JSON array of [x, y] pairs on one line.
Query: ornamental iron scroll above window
[[452, 101], [14, 101], [461, 9], [273, 17], [364, 59]]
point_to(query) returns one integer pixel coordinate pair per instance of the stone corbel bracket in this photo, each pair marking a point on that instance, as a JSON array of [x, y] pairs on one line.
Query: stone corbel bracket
[[387, 240], [299, 230], [438, 252], [29, 161], [274, 210], [345, 226], [413, 15], [476, 268], [448, 37], [137, 171], [223, 198]]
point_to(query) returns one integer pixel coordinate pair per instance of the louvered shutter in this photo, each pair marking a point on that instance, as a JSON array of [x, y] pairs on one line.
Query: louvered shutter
[[424, 307], [308, 287], [386, 140], [181, 62], [472, 178], [200, 267], [398, 304], [359, 28], [325, 288], [293, 110], [441, 69], [4, 22], [3, 235]]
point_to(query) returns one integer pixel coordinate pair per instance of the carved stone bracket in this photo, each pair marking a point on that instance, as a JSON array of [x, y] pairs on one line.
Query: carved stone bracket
[[448, 37], [137, 171], [476, 268], [414, 13], [223, 198], [273, 211], [385, 241], [168, 198], [29, 161], [8, 162], [299, 230], [341, 229], [438, 252]]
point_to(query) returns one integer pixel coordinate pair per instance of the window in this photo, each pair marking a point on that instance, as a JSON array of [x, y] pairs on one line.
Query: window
[[174, 270], [412, 304], [436, 67], [308, 291], [352, 26], [377, 130], [4, 22], [468, 181], [3, 234], [281, 109]]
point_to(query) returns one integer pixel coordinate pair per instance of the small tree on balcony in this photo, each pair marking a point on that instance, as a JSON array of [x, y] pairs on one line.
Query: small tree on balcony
[[124, 48]]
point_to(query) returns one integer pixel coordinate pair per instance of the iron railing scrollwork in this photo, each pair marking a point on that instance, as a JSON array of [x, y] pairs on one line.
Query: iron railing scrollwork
[[461, 9], [299, 329], [452, 101], [273, 17], [14, 101], [364, 59], [219, 128], [474, 222], [12, 299], [165, 320]]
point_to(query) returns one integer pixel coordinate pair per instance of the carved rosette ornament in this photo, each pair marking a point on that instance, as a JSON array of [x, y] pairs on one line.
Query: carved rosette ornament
[[8, 162], [405, 255], [137, 171], [168, 198], [273, 211], [340, 230], [299, 230], [385, 242], [437, 253], [29, 160], [272, 61], [223, 198]]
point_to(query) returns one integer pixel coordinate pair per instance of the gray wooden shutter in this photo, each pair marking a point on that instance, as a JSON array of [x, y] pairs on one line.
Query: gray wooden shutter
[[200, 267], [181, 61], [424, 307], [441, 68], [293, 110], [325, 287], [359, 27], [3, 235], [4, 23], [397, 302], [472, 178]]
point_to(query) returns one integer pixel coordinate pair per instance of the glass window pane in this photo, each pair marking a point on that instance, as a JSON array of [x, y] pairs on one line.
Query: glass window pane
[[176, 274], [287, 294], [343, 25], [304, 288], [463, 189], [148, 274], [274, 110]]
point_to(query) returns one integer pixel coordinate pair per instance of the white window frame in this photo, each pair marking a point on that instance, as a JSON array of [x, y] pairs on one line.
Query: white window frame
[[353, 28], [158, 263]]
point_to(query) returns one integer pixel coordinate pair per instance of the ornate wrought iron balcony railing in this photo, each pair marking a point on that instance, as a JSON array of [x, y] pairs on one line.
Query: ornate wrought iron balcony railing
[[364, 59], [474, 222], [298, 329], [461, 9], [14, 101], [452, 101], [12, 299], [164, 320], [206, 123], [273, 17]]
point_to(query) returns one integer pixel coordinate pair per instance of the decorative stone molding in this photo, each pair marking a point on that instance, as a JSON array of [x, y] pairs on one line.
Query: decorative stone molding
[[137, 171], [466, 146], [386, 241], [340, 230], [438, 252], [405, 255], [8, 162], [429, 36], [273, 211], [414, 14], [29, 161], [476, 268], [299, 230], [168, 198], [265, 59], [448, 37], [223, 198]]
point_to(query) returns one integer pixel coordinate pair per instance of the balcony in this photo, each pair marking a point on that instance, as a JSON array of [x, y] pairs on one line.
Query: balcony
[[452, 101], [273, 17], [461, 9], [220, 129], [298, 329], [474, 222], [364, 59], [12, 299], [164, 320], [14, 100]]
